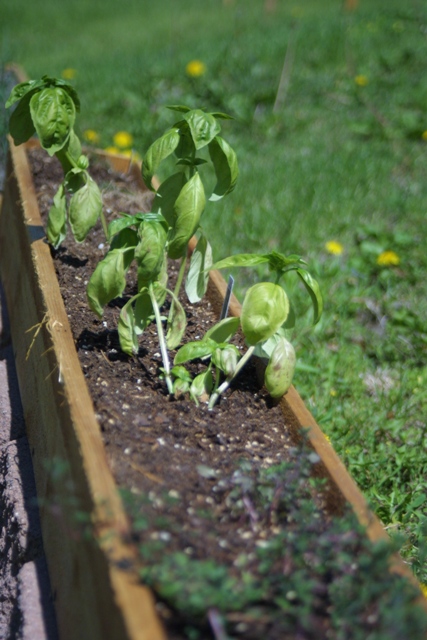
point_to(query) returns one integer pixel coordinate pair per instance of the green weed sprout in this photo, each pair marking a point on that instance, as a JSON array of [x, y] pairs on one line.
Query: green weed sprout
[[48, 107]]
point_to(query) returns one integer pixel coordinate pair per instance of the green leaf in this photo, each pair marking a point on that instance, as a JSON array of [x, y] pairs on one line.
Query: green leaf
[[197, 280], [158, 151], [223, 330], [74, 146], [53, 113], [281, 263], [167, 195], [75, 178], [178, 107], [85, 209], [265, 308], [150, 251], [186, 148], [203, 127], [56, 224], [226, 357], [66, 86], [121, 223], [125, 240], [181, 373], [126, 328], [241, 260], [107, 281], [144, 311], [194, 350], [201, 387], [221, 115], [23, 89], [265, 349], [280, 369], [21, 126], [177, 323], [188, 209], [129, 220], [313, 289], [191, 162], [225, 164]]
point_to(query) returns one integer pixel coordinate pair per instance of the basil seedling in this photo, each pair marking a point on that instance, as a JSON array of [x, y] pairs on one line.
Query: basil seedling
[[150, 239], [48, 107]]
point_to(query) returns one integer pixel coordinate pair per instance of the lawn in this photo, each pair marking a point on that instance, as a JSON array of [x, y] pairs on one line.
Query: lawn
[[330, 129]]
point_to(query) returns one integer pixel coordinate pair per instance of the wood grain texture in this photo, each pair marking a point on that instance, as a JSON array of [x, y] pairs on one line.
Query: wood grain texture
[[95, 588]]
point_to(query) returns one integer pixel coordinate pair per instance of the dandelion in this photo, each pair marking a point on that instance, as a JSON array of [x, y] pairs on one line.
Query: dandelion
[[361, 80], [424, 589], [388, 259], [69, 74], [123, 139], [334, 247], [333, 393], [91, 136], [195, 68], [424, 135]]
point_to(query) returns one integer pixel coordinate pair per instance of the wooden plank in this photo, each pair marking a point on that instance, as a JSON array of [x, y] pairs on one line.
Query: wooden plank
[[94, 584]]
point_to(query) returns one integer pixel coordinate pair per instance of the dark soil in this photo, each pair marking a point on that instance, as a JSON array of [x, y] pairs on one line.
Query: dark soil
[[219, 486]]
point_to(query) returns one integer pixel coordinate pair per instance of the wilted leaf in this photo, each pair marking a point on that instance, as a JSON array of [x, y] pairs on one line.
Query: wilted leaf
[[107, 281]]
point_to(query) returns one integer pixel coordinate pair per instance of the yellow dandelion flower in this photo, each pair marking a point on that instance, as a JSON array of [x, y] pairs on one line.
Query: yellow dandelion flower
[[333, 392], [388, 259], [69, 74], [424, 135], [361, 80], [91, 136], [424, 589], [195, 68], [334, 247], [112, 150], [123, 139]]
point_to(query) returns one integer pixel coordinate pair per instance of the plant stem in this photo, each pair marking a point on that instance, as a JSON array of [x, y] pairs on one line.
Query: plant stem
[[104, 224], [224, 386], [180, 274], [162, 341]]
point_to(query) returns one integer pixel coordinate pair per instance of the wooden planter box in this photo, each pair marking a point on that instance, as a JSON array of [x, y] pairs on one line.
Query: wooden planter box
[[96, 593]]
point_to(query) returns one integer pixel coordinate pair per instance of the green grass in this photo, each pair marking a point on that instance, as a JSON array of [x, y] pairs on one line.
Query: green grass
[[338, 161]]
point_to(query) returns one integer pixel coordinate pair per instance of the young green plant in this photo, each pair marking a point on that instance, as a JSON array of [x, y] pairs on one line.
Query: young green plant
[[266, 320], [48, 107], [150, 239]]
